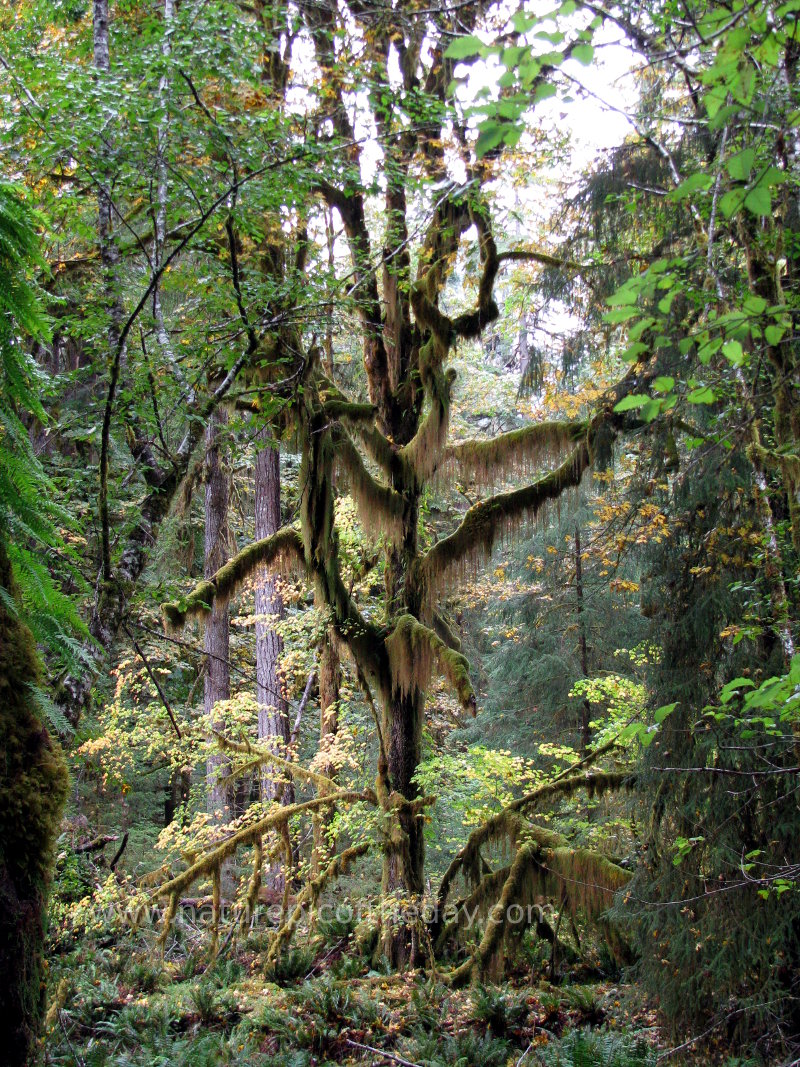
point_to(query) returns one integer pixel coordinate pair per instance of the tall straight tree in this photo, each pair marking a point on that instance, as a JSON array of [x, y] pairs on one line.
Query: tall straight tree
[[273, 717], [217, 679]]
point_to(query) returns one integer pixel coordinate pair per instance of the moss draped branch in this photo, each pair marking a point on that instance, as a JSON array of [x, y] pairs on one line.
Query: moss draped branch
[[281, 549], [260, 755], [414, 650], [248, 835], [473, 540], [506, 823], [519, 450], [380, 508]]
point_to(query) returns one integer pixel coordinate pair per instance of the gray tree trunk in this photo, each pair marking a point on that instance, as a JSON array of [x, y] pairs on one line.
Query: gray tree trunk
[[273, 714], [217, 682]]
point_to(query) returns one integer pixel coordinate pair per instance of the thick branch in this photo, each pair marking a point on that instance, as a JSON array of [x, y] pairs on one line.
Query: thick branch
[[280, 549], [472, 542], [520, 450]]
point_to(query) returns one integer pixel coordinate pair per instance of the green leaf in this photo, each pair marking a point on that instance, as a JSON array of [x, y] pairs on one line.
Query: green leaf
[[490, 135], [732, 202], [663, 384], [733, 352], [704, 395], [544, 92], [758, 200], [740, 165], [666, 709], [773, 334], [584, 53], [464, 47], [617, 315], [651, 410], [694, 183], [632, 402]]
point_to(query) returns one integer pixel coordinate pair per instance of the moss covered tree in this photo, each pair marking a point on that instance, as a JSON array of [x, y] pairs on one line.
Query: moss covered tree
[[389, 447], [33, 776]]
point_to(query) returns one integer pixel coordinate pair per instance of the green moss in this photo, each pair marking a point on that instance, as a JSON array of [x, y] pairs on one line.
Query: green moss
[[33, 788], [414, 650], [471, 544], [282, 549], [520, 451]]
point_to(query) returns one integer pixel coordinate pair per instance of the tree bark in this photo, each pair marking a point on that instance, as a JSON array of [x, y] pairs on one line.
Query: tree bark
[[329, 682], [217, 683], [586, 711], [33, 788], [273, 714]]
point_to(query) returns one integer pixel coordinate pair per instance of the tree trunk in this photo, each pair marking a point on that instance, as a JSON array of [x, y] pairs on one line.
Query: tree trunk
[[586, 711], [329, 681], [217, 683], [33, 788], [273, 715], [404, 858]]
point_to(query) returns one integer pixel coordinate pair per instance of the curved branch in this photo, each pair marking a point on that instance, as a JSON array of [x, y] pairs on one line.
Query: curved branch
[[281, 549]]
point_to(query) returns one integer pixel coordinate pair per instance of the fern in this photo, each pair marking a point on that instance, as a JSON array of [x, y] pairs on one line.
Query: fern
[[30, 516]]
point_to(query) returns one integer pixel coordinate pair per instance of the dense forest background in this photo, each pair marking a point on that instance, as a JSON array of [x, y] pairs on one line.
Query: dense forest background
[[399, 532]]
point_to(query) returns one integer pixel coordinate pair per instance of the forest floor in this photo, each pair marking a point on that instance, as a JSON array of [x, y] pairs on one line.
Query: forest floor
[[116, 1004]]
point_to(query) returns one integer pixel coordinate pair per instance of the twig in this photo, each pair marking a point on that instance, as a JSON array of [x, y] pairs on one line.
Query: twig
[[153, 679], [380, 1052], [302, 706], [118, 853]]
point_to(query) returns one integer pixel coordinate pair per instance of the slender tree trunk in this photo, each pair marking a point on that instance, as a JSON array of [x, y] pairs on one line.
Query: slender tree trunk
[[329, 682], [586, 711], [273, 714], [217, 684], [33, 788]]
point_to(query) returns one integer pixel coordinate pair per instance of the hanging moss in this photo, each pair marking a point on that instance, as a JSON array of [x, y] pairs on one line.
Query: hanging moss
[[247, 835], [282, 550], [507, 825], [545, 866], [414, 650], [522, 451], [33, 788], [261, 755], [310, 894], [380, 508], [458, 556], [425, 449]]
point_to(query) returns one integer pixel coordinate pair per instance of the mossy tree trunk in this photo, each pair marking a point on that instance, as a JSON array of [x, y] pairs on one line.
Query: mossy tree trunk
[[33, 788]]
